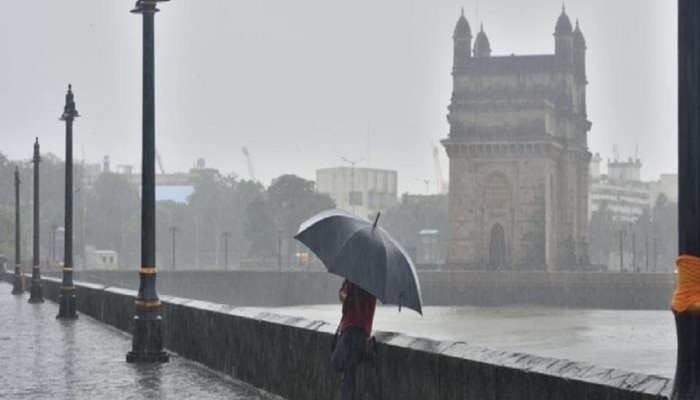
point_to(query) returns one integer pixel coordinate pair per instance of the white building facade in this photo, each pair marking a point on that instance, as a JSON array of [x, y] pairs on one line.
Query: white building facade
[[362, 191], [621, 189]]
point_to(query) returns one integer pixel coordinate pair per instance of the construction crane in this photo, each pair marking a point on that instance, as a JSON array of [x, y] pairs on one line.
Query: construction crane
[[250, 164], [442, 185], [160, 164]]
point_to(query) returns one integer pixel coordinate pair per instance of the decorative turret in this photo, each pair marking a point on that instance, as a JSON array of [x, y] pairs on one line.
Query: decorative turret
[[564, 41], [482, 47], [563, 23], [579, 40], [462, 41], [579, 54]]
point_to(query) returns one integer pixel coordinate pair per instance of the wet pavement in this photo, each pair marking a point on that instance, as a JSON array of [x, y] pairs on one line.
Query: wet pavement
[[44, 358], [634, 340]]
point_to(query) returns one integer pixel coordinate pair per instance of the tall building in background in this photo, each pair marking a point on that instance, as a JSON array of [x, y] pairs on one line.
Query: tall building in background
[[517, 145], [621, 191], [363, 191], [667, 185]]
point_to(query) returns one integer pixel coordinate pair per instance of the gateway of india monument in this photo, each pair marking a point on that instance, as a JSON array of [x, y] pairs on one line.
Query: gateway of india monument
[[518, 154]]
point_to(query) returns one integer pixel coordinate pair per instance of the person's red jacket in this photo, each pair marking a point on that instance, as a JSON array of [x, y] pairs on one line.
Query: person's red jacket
[[358, 308]]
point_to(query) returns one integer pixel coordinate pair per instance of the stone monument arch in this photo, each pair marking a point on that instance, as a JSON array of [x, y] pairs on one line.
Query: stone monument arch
[[518, 154]]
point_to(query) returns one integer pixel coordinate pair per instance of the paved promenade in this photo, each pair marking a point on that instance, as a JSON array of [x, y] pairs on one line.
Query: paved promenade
[[44, 358]]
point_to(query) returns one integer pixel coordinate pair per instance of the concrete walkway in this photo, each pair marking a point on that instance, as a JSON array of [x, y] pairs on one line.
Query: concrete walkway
[[44, 358]]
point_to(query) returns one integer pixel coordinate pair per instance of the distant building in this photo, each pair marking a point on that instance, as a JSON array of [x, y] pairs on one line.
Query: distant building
[[100, 259], [91, 172], [363, 191], [176, 186], [518, 153], [621, 190], [668, 185], [429, 249], [176, 193]]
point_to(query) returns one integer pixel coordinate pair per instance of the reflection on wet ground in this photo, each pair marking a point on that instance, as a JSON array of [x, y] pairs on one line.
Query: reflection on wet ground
[[639, 340], [45, 358]]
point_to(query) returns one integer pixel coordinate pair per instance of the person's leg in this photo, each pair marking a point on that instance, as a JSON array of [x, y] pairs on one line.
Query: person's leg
[[341, 353], [356, 340], [347, 383]]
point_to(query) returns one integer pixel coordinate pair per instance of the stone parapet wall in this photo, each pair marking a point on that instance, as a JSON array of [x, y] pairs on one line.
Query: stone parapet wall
[[289, 356], [606, 290]]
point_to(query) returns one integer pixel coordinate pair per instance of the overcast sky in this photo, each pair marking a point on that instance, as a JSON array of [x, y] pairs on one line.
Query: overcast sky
[[304, 83]]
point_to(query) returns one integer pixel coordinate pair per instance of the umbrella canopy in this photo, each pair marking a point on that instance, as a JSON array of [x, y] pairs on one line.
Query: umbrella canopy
[[357, 249]]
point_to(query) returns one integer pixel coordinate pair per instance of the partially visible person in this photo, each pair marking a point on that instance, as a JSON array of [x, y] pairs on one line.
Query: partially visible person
[[355, 344]]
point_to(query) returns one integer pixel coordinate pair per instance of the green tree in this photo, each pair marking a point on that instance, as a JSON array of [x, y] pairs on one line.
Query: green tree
[[214, 210], [218, 206], [654, 232], [664, 229], [245, 194], [260, 230], [113, 203], [414, 213], [291, 201], [7, 233], [601, 234], [171, 214]]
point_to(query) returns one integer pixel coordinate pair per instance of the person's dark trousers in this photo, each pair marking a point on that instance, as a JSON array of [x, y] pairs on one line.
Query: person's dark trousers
[[347, 355]]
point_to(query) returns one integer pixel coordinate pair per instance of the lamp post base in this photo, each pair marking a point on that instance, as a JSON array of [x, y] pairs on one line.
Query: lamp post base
[[17, 285], [35, 294], [686, 384], [133, 357], [66, 305], [147, 343]]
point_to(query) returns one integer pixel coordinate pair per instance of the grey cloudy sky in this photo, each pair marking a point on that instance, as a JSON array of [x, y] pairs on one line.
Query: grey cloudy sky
[[303, 83]]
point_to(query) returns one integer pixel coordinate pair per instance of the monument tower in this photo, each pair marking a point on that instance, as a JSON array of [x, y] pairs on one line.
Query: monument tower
[[518, 154]]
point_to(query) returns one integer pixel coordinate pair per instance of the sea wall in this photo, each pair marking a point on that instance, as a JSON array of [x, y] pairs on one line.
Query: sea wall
[[651, 291], [289, 356]]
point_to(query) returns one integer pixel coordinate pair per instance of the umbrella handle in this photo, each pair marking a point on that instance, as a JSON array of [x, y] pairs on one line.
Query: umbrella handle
[[400, 300], [375, 220]]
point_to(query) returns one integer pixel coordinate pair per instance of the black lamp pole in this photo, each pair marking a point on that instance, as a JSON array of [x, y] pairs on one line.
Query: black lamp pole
[[279, 249], [17, 287], [147, 345], [686, 384], [174, 230], [66, 302], [226, 236], [54, 227], [35, 294]]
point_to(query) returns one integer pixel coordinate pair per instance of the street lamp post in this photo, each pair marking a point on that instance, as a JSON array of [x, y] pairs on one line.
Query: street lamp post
[[279, 249], [685, 307], [427, 185], [352, 180], [147, 345], [646, 253], [174, 230], [622, 264], [66, 303], [226, 235], [35, 294], [54, 227], [17, 287], [634, 252]]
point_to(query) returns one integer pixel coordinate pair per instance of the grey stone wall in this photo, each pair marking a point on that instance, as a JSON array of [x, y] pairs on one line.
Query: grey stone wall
[[275, 289], [290, 356]]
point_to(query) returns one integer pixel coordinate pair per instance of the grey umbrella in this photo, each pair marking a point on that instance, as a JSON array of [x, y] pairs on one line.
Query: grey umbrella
[[357, 249]]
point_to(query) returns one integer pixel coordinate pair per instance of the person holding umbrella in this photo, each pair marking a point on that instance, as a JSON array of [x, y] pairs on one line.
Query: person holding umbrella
[[355, 344], [374, 266]]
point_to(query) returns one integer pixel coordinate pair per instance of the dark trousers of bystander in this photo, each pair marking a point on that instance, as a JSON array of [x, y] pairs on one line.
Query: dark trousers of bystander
[[349, 352]]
